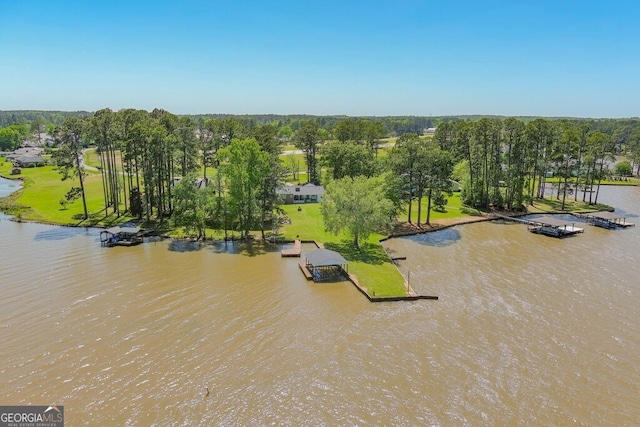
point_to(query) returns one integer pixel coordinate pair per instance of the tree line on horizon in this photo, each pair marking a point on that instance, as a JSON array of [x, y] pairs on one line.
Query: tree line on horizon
[[152, 163], [393, 126]]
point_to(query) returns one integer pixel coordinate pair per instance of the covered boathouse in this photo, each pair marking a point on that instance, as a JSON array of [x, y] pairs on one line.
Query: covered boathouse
[[606, 219], [125, 235], [551, 226], [324, 265]]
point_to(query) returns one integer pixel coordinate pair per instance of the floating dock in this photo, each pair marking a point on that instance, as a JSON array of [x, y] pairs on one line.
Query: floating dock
[[604, 219]]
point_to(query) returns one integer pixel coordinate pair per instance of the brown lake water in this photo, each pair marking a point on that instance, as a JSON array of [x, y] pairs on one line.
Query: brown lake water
[[529, 330]]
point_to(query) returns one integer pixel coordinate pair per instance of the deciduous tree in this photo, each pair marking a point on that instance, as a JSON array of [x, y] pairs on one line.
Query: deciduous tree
[[357, 205], [191, 206], [347, 159], [244, 166]]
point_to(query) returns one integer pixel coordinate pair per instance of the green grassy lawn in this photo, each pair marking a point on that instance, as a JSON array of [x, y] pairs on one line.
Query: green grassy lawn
[[285, 161], [622, 181], [553, 205], [452, 210], [39, 199], [91, 158]]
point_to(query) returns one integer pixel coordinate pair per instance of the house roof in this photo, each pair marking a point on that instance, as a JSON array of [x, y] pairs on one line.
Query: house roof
[[30, 159], [325, 258], [34, 151], [304, 190]]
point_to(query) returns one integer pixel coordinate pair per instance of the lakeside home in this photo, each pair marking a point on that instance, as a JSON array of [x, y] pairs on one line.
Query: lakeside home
[[29, 161], [307, 193], [26, 157]]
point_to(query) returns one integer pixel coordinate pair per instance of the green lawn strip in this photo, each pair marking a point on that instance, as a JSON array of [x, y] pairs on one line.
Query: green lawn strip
[[619, 181], [554, 205], [372, 266], [91, 158], [5, 167]]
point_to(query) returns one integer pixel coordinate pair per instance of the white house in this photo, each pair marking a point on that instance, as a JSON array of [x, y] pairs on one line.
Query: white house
[[307, 193]]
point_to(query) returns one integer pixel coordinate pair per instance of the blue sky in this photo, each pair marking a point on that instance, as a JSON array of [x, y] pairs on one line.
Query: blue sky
[[402, 57]]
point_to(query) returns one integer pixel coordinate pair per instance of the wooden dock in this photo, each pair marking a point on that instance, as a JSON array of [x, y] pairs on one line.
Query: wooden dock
[[608, 220], [553, 227], [305, 270], [293, 252]]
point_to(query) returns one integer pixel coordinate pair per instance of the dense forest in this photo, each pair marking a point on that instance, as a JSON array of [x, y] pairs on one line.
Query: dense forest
[[153, 163]]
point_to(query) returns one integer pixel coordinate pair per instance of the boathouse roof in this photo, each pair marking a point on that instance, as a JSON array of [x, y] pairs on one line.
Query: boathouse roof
[[325, 258], [551, 221], [123, 230], [308, 189]]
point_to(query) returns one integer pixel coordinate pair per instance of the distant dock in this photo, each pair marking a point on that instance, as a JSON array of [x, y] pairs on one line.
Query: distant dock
[[549, 226], [608, 220]]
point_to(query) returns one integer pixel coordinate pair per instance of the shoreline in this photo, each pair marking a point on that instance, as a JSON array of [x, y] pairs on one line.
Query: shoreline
[[399, 230]]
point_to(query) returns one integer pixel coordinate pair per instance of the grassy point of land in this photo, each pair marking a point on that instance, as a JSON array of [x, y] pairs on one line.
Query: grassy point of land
[[39, 199], [370, 263]]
